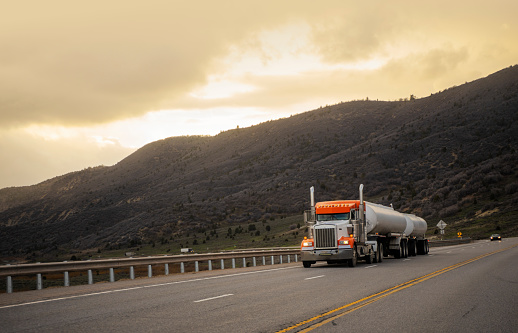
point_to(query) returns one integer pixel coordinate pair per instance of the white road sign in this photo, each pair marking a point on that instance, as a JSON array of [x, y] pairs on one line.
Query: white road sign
[[441, 225]]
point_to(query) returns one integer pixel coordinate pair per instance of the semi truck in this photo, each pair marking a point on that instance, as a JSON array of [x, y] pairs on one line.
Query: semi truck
[[345, 231]]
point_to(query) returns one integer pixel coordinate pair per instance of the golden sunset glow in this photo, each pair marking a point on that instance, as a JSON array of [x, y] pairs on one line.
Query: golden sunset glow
[[85, 84]]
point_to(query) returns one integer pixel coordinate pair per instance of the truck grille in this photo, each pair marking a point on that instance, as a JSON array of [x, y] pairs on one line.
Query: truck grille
[[325, 238]]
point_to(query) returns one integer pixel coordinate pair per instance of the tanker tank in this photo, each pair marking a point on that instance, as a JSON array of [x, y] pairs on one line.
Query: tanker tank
[[383, 220], [416, 226]]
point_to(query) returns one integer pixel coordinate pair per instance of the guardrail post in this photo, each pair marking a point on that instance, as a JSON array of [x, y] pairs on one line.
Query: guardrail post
[[280, 259], [233, 262], [196, 266], [289, 259], [273, 260], [253, 259], [132, 273], [112, 275], [296, 259], [166, 269], [244, 262], [9, 285], [39, 284], [149, 271], [67, 280], [210, 265], [264, 261], [222, 264], [182, 267], [90, 277]]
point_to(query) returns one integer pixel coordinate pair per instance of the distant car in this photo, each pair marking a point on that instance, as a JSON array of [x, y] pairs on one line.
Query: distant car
[[495, 237]]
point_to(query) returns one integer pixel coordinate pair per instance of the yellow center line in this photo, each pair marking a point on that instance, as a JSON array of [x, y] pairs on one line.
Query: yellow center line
[[376, 297]]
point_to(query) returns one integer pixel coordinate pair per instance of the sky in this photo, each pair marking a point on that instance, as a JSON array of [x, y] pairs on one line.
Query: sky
[[86, 83]]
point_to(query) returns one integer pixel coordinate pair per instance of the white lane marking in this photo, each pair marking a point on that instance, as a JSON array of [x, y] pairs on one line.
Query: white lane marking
[[407, 259], [448, 252], [142, 287], [211, 298], [314, 277], [371, 266]]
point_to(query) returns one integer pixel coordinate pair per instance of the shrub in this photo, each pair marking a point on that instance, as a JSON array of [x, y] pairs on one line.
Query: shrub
[[448, 211], [511, 188]]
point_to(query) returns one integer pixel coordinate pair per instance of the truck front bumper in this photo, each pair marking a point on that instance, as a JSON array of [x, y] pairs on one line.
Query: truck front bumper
[[327, 255]]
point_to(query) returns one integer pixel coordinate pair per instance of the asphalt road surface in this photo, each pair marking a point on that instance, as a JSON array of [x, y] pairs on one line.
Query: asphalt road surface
[[463, 288]]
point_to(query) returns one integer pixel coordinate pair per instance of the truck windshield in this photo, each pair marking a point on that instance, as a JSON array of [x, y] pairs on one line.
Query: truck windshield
[[332, 217]]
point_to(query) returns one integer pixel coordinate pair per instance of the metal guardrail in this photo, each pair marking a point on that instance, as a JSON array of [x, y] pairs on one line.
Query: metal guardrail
[[38, 269], [8, 271], [447, 242]]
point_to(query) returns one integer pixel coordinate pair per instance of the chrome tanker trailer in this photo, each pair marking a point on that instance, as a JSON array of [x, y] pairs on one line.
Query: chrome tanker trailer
[[349, 230]]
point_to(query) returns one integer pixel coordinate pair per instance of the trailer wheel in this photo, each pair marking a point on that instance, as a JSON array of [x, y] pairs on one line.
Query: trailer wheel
[[422, 246], [306, 264], [405, 249], [385, 251], [398, 252], [352, 262], [412, 251]]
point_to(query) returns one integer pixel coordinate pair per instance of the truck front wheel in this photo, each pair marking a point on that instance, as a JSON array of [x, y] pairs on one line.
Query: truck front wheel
[[352, 262], [307, 264]]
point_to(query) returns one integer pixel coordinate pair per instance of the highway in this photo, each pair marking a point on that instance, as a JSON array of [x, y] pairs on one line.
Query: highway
[[463, 288]]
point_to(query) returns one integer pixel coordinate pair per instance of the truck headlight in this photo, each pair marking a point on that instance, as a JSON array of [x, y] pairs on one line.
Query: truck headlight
[[343, 242], [307, 244]]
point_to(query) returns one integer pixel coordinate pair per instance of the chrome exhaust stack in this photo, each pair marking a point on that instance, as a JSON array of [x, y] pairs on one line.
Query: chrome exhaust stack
[[362, 236], [310, 215], [312, 196]]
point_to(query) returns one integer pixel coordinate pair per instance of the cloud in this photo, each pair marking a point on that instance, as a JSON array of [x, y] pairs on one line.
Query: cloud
[[88, 63], [359, 32], [97, 76], [71, 63], [417, 73], [30, 158]]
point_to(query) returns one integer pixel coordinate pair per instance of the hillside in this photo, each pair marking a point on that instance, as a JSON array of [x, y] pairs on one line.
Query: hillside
[[451, 156]]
